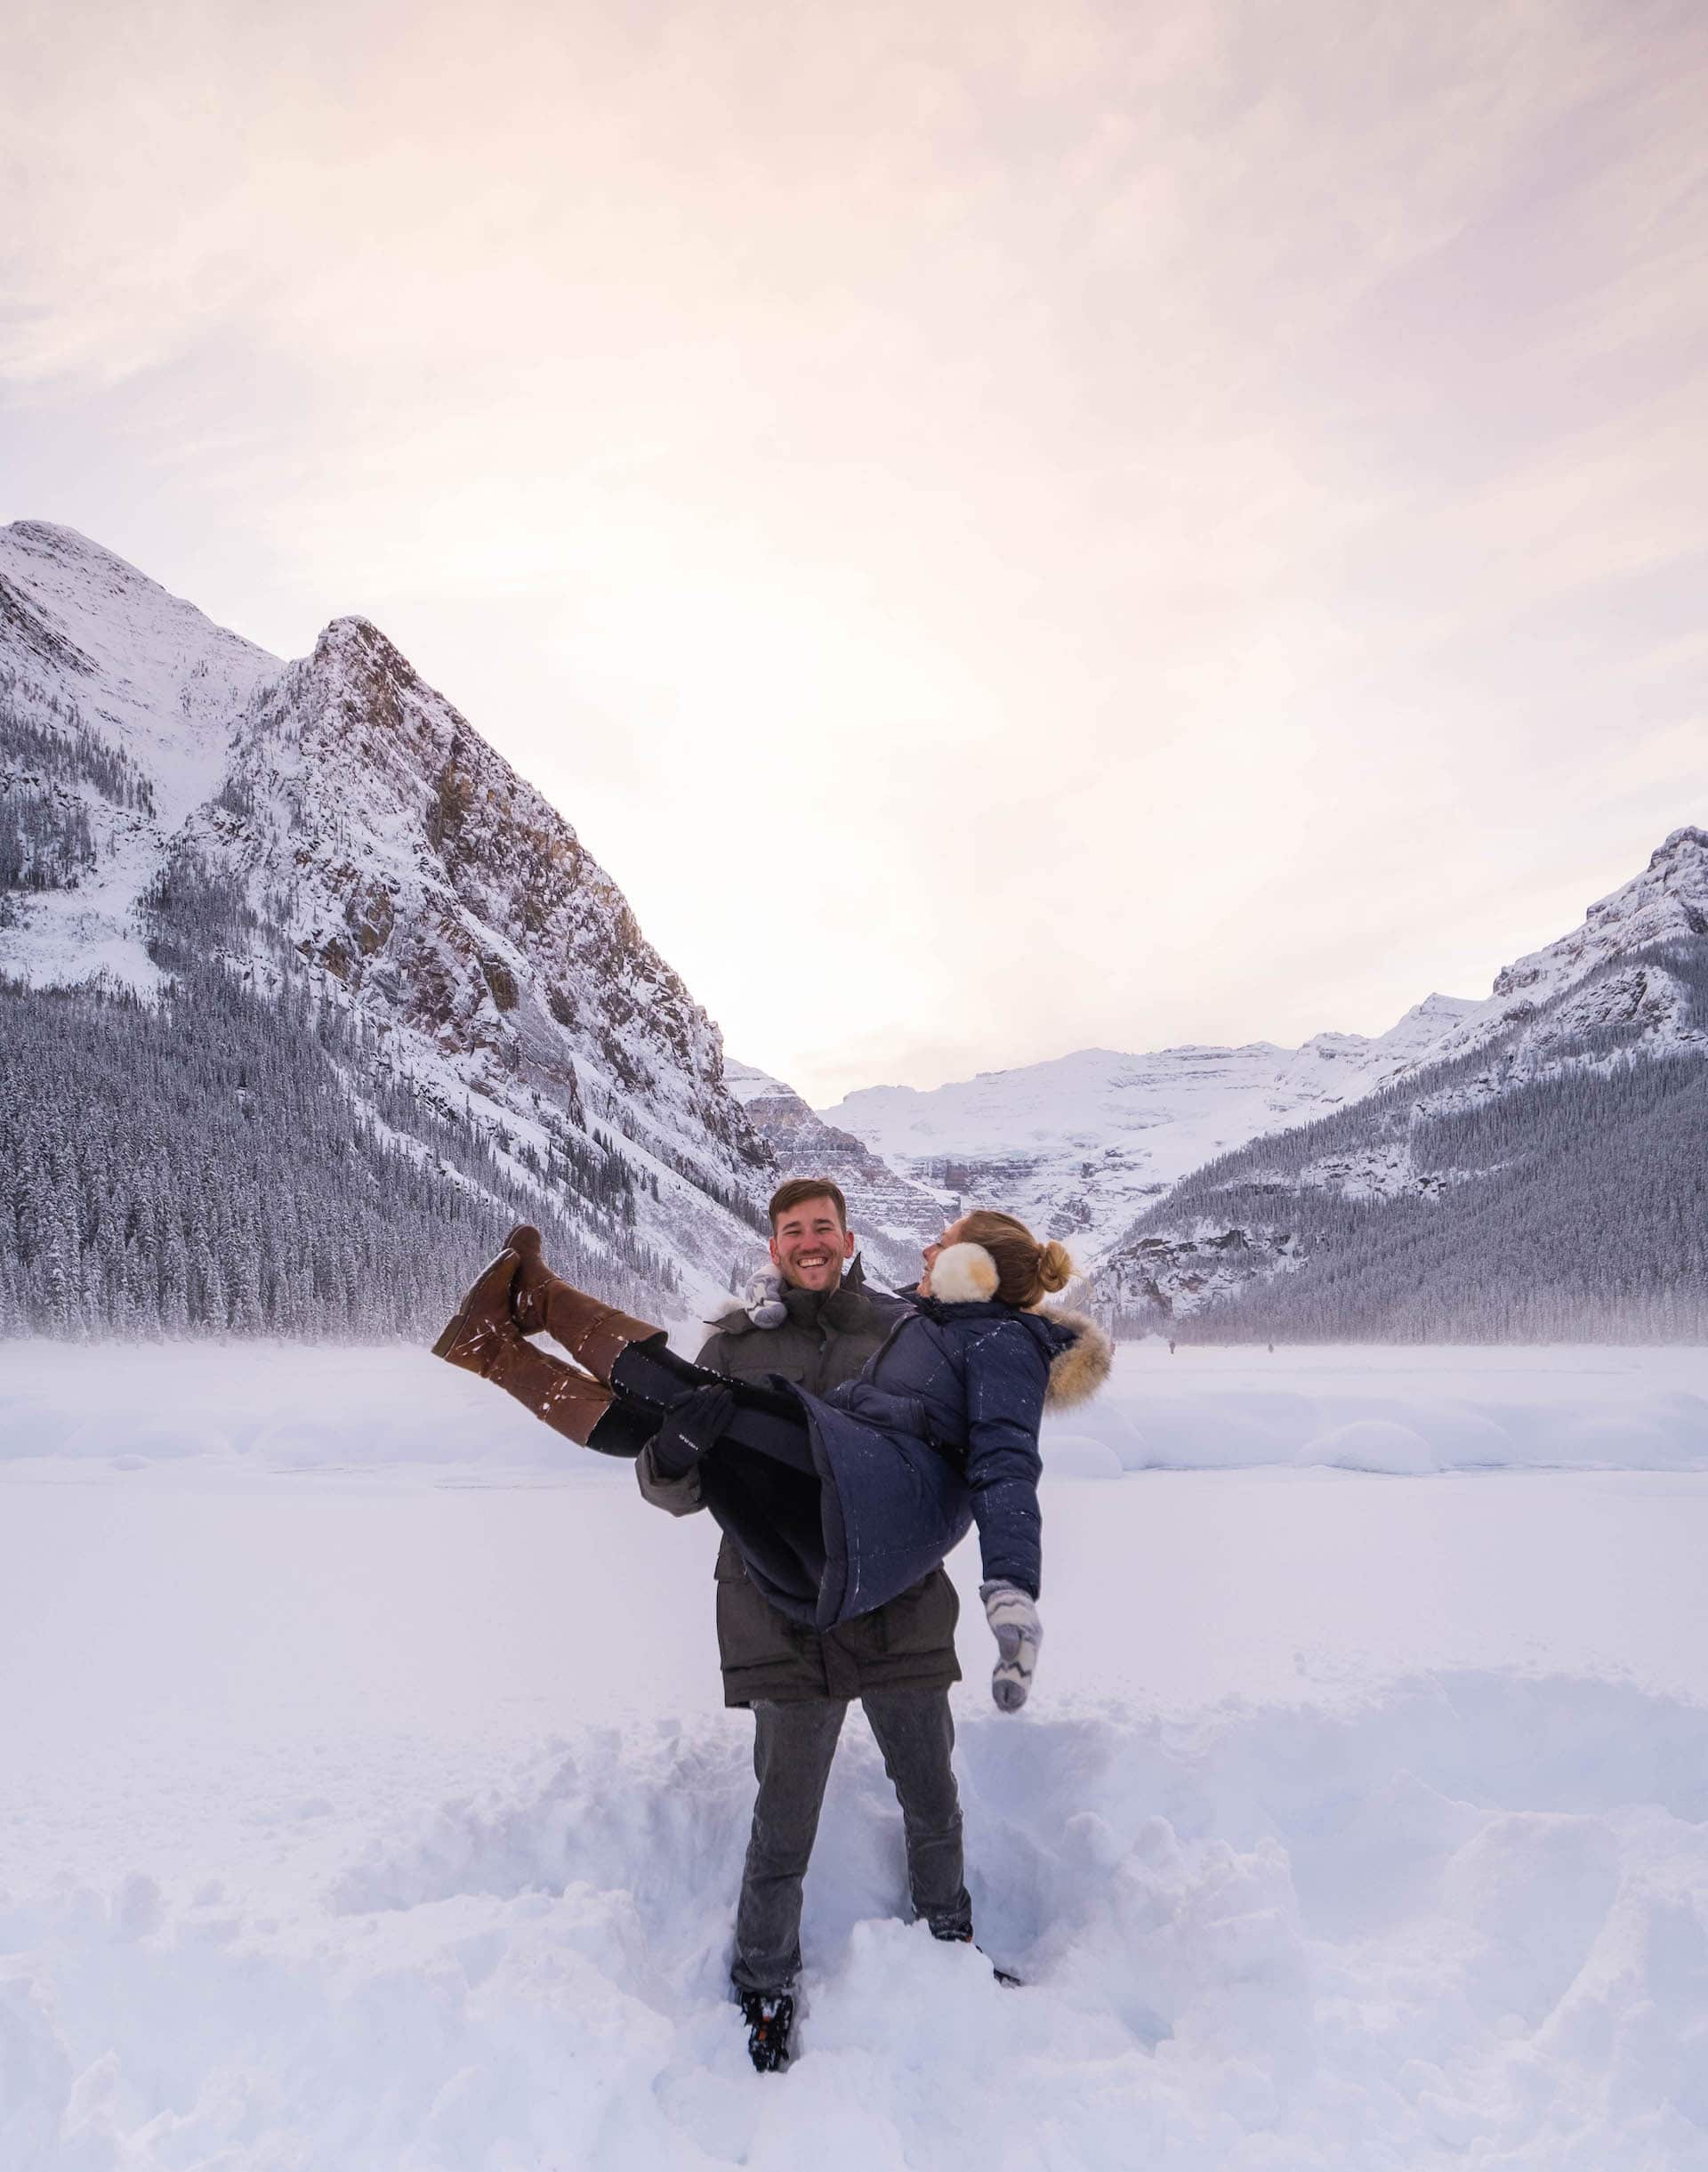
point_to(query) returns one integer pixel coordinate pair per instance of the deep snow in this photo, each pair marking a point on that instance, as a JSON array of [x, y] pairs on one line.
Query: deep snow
[[366, 1800]]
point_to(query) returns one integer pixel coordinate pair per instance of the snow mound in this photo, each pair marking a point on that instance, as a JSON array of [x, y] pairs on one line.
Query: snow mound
[[1078, 1454], [1403, 1411], [1372, 1444], [1460, 1920]]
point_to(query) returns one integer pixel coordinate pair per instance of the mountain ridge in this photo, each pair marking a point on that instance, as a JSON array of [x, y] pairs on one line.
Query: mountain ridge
[[1079, 1144], [328, 843], [332, 821]]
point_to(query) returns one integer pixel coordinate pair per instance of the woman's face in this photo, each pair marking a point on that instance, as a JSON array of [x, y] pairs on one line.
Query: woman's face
[[951, 1235]]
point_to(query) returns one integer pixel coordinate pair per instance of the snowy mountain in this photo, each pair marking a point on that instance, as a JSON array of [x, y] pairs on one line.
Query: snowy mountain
[[1080, 1145], [305, 995], [188, 822], [1539, 1175], [1090, 1148]]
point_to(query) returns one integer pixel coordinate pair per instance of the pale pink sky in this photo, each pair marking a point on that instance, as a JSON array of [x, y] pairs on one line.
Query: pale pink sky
[[1021, 527]]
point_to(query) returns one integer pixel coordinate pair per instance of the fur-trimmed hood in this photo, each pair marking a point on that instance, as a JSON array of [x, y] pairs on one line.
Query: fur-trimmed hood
[[1079, 1371], [966, 1274]]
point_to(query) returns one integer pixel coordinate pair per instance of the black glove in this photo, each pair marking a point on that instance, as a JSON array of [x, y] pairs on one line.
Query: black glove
[[691, 1427]]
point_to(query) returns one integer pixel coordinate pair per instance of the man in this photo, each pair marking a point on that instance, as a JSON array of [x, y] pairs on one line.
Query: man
[[819, 1330]]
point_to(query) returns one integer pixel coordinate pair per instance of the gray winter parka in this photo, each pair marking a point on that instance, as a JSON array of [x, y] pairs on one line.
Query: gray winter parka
[[909, 1643]]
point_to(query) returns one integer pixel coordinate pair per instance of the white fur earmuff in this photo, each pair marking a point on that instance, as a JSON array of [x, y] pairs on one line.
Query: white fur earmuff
[[964, 1274]]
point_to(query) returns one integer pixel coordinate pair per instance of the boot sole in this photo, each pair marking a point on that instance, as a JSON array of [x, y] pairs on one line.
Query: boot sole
[[447, 1340]]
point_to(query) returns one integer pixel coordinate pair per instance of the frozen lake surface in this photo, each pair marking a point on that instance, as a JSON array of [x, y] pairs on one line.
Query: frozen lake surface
[[366, 1798]]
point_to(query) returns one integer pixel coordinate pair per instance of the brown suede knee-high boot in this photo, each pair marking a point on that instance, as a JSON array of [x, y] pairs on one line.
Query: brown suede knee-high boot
[[483, 1338], [559, 1396], [473, 1337], [593, 1333]]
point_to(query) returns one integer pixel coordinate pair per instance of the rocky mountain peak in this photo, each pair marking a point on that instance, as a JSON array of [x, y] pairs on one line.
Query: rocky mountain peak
[[355, 647], [334, 832], [1667, 902], [120, 619], [1682, 861]]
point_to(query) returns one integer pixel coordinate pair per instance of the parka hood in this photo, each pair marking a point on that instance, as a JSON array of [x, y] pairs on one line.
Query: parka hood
[[1076, 1350], [1078, 1371]]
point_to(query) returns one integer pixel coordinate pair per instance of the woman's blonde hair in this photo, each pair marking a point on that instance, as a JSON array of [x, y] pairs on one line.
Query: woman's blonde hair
[[1026, 1269]]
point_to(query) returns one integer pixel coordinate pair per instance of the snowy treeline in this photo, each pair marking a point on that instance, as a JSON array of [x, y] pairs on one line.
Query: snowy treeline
[[218, 1162], [44, 737], [1570, 1204], [46, 841], [46, 750]]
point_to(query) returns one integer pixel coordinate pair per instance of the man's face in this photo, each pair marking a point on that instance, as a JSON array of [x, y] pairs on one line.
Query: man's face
[[809, 1244]]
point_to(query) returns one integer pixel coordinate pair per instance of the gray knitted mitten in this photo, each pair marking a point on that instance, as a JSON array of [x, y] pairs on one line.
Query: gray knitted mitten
[[1014, 1617], [764, 1298]]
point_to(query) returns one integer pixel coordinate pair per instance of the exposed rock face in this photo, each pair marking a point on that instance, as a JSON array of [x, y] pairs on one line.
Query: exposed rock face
[[334, 823], [409, 861], [1155, 1282], [1667, 901]]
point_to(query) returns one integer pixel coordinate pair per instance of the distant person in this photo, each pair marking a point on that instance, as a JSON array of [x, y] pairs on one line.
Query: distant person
[[844, 1450]]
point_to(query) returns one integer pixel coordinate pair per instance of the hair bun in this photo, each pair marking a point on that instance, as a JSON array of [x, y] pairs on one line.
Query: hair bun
[[1055, 1267]]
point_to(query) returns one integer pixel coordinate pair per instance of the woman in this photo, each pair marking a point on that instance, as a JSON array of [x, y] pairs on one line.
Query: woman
[[835, 1504]]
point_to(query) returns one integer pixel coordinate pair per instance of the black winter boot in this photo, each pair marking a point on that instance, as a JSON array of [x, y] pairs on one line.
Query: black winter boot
[[770, 2017], [1009, 1983]]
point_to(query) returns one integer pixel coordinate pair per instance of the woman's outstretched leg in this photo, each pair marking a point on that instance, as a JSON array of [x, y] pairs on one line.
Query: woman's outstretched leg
[[699, 1411], [754, 1445], [640, 1383], [595, 1333], [484, 1338], [472, 1336], [583, 1410]]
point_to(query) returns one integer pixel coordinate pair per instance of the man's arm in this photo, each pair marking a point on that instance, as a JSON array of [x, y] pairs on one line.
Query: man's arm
[[677, 1496]]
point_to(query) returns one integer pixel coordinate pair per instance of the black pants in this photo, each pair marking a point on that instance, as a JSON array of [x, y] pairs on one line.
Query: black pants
[[794, 1745], [649, 1382], [758, 1479]]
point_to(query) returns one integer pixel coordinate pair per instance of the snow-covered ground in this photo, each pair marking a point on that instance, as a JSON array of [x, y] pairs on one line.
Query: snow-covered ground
[[366, 1803]]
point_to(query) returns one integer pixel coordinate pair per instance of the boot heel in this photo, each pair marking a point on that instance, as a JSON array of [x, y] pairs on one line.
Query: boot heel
[[472, 1338]]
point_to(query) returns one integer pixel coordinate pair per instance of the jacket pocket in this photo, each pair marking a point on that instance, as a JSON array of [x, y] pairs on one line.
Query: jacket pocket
[[921, 1619], [752, 1633]]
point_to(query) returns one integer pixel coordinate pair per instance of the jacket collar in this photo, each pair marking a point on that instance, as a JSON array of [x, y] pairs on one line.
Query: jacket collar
[[1048, 1328], [1075, 1349]]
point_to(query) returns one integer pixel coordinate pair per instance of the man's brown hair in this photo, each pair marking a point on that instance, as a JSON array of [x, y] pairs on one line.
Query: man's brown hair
[[799, 1188]]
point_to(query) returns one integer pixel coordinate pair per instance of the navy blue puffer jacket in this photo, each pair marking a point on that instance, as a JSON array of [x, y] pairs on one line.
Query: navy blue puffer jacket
[[940, 1432]]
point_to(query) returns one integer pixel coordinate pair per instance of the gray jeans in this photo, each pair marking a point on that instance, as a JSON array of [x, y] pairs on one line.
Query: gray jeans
[[792, 1748]]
